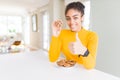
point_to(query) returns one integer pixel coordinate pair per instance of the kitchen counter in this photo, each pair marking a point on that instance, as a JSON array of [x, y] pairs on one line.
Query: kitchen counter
[[36, 66]]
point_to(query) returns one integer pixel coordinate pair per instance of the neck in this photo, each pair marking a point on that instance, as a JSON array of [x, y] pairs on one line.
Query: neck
[[79, 29]]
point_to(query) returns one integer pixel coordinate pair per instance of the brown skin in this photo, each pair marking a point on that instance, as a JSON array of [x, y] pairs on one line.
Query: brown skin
[[74, 20]]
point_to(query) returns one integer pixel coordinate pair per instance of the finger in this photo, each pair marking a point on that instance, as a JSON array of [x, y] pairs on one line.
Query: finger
[[77, 38], [71, 47], [57, 24], [60, 23], [72, 50]]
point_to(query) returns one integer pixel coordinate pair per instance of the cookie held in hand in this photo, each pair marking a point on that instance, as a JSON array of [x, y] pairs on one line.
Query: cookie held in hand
[[66, 63]]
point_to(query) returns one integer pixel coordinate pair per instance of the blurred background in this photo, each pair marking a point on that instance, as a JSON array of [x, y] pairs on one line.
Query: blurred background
[[27, 24]]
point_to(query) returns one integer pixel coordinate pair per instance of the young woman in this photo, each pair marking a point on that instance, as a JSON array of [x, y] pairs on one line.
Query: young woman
[[77, 43]]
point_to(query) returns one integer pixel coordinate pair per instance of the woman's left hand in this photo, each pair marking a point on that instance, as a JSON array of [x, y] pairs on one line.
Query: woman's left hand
[[77, 47]]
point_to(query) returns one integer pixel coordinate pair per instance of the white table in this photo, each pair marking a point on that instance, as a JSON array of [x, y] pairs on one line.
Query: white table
[[36, 66]]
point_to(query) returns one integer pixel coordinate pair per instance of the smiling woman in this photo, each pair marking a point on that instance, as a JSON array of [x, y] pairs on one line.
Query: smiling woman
[[77, 44]]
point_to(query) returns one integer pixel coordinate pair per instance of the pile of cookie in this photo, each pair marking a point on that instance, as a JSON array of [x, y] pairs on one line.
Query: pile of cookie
[[66, 63]]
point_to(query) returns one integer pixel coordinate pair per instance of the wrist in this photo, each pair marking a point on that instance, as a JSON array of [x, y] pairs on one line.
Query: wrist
[[56, 33], [86, 53]]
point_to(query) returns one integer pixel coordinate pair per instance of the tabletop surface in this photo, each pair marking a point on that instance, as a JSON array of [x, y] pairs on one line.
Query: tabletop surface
[[36, 66]]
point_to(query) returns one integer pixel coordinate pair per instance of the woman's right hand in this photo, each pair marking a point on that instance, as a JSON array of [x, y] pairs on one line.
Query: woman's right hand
[[56, 28]]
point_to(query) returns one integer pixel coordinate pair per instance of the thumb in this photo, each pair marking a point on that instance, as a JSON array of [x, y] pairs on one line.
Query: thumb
[[77, 38]]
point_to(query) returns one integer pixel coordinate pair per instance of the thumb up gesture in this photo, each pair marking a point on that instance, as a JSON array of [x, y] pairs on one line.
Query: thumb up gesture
[[77, 47]]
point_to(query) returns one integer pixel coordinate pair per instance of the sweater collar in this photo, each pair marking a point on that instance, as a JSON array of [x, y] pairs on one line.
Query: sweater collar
[[82, 29]]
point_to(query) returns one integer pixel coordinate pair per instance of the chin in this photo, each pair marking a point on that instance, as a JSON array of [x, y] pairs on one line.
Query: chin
[[74, 30]]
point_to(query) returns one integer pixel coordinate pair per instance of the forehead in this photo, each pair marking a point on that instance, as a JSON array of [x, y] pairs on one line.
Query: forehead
[[72, 12]]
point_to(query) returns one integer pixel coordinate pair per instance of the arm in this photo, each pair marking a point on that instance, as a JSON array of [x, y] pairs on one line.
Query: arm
[[55, 48], [90, 61]]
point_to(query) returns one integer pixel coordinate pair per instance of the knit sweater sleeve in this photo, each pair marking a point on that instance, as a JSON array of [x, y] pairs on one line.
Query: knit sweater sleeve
[[90, 61], [55, 48]]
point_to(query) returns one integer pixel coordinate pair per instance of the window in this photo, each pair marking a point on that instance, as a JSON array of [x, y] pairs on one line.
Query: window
[[10, 24], [34, 22], [86, 21], [26, 25], [45, 31]]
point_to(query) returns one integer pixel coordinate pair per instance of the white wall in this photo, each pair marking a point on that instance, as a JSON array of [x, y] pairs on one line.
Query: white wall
[[55, 10], [35, 36], [105, 20]]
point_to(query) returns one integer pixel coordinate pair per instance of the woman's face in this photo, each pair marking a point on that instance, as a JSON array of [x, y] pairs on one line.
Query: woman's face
[[74, 19]]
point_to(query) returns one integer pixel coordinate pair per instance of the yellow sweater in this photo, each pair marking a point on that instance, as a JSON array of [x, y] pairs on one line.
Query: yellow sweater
[[60, 44]]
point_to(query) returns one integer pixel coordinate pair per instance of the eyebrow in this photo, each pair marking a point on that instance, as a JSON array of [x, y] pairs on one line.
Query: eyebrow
[[73, 15]]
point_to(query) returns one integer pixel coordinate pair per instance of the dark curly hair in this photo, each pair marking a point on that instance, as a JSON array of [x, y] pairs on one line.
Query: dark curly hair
[[75, 5]]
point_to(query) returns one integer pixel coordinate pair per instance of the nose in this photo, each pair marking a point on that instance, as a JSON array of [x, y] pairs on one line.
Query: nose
[[71, 21]]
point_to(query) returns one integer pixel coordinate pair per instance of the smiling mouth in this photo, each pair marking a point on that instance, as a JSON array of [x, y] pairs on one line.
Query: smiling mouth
[[72, 27]]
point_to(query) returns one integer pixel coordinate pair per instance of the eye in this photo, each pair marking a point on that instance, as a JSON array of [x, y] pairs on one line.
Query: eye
[[75, 18], [67, 18]]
